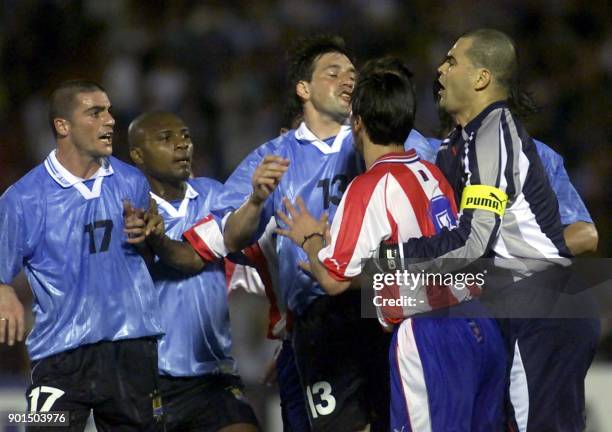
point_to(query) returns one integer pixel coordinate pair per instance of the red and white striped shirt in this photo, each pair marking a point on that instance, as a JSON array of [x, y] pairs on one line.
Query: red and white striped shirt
[[391, 201]]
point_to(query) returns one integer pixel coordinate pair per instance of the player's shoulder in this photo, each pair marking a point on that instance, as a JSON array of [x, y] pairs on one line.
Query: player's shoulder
[[125, 168], [365, 183], [545, 150], [278, 144], [205, 185], [32, 183]]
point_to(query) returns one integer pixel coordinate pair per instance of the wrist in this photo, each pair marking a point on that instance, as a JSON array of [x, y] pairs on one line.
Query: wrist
[[156, 242], [255, 200], [310, 236]]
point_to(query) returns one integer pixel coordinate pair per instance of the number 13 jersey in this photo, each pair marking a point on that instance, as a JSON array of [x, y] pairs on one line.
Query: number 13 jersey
[[319, 172]]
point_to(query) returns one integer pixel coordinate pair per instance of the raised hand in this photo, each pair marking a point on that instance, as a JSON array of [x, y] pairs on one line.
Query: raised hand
[[267, 176], [155, 229], [301, 225]]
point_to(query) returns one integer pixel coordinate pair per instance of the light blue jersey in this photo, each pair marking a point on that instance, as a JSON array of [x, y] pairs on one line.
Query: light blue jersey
[[319, 172], [89, 285], [571, 206], [194, 308]]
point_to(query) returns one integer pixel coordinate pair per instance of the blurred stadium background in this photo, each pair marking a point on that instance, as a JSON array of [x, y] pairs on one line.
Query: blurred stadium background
[[221, 66]]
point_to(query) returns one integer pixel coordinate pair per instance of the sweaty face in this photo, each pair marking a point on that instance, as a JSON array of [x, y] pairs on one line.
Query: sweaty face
[[167, 149], [456, 76], [331, 86], [91, 125]]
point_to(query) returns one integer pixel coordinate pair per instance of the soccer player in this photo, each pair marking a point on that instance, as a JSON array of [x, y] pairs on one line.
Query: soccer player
[[580, 233], [490, 153], [94, 341], [192, 255], [446, 374], [315, 161], [198, 379]]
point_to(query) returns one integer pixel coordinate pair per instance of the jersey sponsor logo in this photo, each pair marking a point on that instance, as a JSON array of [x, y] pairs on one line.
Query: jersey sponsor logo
[[484, 197], [335, 262]]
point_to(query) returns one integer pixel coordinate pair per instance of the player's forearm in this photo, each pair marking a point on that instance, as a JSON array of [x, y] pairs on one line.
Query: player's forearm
[[241, 225], [581, 237], [330, 285], [178, 255], [145, 252]]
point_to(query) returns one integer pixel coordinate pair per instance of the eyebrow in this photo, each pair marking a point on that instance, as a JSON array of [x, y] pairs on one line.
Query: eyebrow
[[97, 108], [337, 66], [169, 131]]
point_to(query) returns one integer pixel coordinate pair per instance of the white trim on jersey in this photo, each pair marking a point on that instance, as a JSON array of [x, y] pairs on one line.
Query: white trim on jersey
[[413, 378], [66, 179], [246, 278], [373, 229], [209, 233], [190, 194], [302, 133], [519, 390]]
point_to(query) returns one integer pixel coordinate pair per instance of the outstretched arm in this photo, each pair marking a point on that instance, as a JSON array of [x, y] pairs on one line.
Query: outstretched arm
[[310, 234]]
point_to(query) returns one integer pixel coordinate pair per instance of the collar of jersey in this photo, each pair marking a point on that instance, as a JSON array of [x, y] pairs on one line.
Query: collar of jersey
[[409, 156], [304, 135], [190, 194], [66, 179], [475, 123]]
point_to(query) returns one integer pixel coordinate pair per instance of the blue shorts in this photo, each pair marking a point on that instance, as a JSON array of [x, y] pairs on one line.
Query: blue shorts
[[448, 374]]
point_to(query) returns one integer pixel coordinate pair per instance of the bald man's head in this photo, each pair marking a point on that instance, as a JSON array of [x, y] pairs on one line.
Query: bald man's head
[[160, 145], [147, 124], [495, 51]]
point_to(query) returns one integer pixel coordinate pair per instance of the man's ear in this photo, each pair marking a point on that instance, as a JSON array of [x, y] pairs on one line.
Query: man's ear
[[62, 126], [483, 79], [356, 123], [302, 89], [136, 155]]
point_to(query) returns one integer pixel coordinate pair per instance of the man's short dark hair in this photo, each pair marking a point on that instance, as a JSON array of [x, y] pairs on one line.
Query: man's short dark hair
[[63, 98], [494, 50], [385, 102], [301, 59], [386, 64]]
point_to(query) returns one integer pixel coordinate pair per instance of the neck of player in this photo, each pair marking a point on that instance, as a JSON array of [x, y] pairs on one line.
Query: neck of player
[[323, 126], [372, 151], [477, 106], [77, 163], [169, 191]]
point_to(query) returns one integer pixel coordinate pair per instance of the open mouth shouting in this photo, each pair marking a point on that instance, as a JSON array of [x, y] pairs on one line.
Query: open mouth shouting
[[106, 137]]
